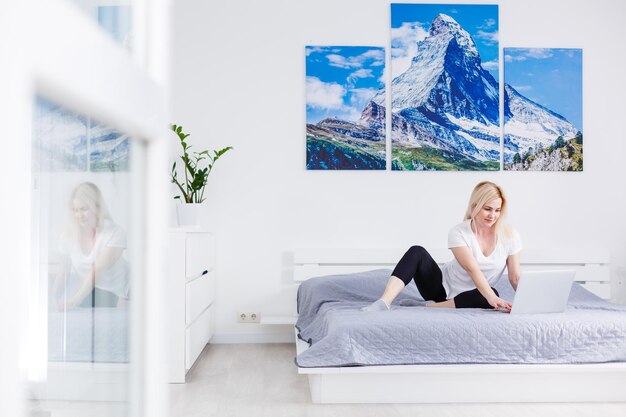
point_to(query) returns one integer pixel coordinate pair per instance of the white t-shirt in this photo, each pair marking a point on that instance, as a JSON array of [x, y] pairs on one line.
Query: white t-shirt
[[113, 279], [456, 280]]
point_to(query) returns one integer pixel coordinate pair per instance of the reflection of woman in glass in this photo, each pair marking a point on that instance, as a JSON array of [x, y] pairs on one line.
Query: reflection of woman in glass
[[92, 248]]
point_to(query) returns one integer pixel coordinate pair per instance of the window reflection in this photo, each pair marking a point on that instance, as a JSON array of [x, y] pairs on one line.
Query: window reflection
[[81, 293], [93, 274], [108, 151]]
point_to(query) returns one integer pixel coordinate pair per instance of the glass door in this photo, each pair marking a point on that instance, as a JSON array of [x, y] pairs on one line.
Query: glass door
[[86, 199]]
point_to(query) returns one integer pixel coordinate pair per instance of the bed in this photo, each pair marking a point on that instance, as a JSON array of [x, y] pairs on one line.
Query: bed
[[93, 335], [575, 356]]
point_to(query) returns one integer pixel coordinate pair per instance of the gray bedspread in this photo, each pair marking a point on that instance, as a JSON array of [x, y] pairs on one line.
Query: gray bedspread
[[591, 330]]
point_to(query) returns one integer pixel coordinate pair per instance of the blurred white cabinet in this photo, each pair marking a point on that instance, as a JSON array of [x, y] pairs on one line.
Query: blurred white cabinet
[[190, 298]]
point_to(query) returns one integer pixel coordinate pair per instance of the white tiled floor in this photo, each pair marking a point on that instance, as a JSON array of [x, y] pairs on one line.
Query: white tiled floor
[[253, 380]]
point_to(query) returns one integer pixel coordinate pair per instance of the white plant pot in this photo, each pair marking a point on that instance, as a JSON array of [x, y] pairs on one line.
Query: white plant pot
[[188, 214]]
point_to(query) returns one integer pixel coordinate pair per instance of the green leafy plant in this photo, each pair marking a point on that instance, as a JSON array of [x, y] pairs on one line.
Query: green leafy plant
[[196, 176]]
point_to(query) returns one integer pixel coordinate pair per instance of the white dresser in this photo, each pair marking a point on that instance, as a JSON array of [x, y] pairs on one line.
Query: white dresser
[[190, 298]]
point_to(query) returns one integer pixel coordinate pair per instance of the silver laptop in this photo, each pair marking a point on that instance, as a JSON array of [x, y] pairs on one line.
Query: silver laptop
[[543, 292]]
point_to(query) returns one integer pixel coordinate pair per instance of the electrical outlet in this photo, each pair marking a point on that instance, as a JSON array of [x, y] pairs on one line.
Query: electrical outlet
[[249, 317]]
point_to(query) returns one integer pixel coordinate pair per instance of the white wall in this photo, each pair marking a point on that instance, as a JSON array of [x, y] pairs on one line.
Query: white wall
[[239, 80]]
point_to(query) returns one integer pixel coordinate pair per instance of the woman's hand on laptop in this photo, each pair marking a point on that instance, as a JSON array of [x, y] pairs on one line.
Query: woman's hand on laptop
[[499, 304]]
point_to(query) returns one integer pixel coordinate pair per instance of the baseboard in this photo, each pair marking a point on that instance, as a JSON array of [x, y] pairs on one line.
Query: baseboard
[[286, 337]]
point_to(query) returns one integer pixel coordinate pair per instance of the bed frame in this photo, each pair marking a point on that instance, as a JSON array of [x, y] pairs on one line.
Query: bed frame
[[463, 383]]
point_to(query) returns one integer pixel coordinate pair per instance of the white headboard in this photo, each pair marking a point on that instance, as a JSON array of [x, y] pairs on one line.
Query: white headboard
[[592, 264]]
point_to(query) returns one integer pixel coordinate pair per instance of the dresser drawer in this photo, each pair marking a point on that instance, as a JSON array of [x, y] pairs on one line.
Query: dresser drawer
[[199, 254], [200, 293], [197, 336]]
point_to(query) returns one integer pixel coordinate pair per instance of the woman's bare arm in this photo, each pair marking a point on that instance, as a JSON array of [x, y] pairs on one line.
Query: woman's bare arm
[[514, 269]]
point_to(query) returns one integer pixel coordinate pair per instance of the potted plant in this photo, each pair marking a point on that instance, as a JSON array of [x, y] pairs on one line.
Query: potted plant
[[197, 167]]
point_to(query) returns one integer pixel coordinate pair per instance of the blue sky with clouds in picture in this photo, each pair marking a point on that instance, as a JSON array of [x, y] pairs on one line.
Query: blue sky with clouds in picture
[[410, 24], [552, 77], [340, 80]]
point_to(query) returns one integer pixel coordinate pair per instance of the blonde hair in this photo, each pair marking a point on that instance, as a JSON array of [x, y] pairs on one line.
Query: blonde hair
[[483, 193], [89, 194]]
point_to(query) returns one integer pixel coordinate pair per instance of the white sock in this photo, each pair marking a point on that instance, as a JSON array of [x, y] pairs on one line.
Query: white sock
[[378, 305]]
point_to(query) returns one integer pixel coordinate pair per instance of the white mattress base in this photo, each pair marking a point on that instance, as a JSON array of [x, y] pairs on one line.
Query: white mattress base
[[466, 383]]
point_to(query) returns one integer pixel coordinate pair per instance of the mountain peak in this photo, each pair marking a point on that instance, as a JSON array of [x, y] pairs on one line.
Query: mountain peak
[[446, 77], [441, 54], [446, 95], [444, 24]]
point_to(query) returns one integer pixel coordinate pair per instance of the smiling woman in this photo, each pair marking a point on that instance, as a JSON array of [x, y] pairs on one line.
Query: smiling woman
[[482, 247]]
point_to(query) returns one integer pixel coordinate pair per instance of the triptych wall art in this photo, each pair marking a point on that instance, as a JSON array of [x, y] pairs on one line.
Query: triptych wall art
[[444, 99]]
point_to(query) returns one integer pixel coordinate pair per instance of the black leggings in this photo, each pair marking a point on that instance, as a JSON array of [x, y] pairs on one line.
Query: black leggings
[[100, 298], [419, 266]]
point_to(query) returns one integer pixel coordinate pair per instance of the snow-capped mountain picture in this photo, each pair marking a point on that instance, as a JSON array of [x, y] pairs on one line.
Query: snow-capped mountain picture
[[344, 129], [444, 89], [543, 109]]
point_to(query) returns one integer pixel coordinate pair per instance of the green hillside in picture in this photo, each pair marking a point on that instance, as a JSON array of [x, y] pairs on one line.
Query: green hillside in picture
[[331, 153], [562, 155], [433, 159]]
